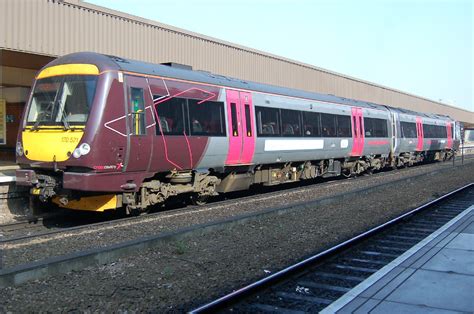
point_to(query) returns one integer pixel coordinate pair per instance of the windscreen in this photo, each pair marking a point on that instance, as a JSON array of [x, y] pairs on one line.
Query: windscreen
[[62, 100]]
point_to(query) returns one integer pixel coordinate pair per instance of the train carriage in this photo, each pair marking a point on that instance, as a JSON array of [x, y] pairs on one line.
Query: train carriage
[[102, 132]]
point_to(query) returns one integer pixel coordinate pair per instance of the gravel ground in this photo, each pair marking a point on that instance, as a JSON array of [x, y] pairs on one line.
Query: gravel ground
[[180, 275], [20, 252]]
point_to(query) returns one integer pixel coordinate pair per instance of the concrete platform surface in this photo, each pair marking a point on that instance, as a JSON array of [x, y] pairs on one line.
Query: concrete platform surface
[[435, 276]]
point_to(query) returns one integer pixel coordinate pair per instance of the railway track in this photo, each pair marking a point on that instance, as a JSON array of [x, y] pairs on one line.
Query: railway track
[[73, 221], [25, 260], [20, 227], [314, 283], [48, 224]]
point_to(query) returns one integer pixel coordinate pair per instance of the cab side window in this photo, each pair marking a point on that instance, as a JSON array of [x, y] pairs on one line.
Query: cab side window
[[137, 111]]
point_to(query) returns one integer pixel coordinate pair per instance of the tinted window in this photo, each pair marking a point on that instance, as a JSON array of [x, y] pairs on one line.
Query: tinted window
[[408, 129], [233, 114], [170, 116], [312, 124], [343, 126], [290, 123], [427, 130], [267, 121], [375, 127], [137, 104], [248, 121], [206, 118], [380, 128], [328, 125], [442, 131], [62, 100], [434, 131]]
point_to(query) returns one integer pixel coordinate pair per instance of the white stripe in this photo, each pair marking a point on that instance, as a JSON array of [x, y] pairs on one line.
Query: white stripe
[[5, 179], [277, 145]]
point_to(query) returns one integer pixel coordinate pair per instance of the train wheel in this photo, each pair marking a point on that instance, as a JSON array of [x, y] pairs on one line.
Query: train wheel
[[133, 211]]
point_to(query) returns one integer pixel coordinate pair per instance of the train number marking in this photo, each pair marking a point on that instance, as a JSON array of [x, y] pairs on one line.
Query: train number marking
[[69, 139]]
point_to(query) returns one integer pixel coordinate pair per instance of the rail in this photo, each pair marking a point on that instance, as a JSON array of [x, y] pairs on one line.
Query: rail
[[240, 294]]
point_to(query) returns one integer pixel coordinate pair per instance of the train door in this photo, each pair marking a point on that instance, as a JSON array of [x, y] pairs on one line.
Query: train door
[[419, 134], [240, 120], [139, 139], [449, 135], [395, 135], [357, 132]]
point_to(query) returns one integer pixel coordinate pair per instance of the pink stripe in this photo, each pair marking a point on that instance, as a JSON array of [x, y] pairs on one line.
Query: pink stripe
[[449, 133], [376, 143], [156, 103], [419, 133], [355, 141], [189, 150], [357, 132], [235, 142], [248, 141]]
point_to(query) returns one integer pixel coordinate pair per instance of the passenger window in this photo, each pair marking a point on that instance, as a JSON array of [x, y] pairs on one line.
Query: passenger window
[[343, 126], [426, 131], [434, 131], [328, 125], [380, 128], [312, 124], [170, 116], [354, 126], [206, 118], [248, 121], [233, 113], [408, 129], [137, 104], [443, 131], [375, 127], [267, 121], [368, 127], [290, 121]]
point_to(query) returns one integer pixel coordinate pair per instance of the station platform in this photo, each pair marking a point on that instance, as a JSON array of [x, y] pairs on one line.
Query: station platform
[[435, 276]]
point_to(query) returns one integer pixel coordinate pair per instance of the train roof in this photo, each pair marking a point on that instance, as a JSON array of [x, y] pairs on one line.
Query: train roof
[[221, 80], [420, 114], [107, 62]]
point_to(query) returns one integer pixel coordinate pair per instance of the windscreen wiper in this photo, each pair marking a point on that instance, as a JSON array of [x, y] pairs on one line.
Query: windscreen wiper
[[35, 126], [41, 114], [63, 117]]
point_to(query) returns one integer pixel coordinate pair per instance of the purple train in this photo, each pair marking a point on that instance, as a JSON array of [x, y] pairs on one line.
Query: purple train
[[102, 132]]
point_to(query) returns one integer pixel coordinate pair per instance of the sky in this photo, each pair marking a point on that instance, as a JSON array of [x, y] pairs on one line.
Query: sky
[[423, 47]]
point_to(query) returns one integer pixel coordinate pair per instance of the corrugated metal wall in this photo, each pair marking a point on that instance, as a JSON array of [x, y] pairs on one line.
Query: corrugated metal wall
[[60, 27]]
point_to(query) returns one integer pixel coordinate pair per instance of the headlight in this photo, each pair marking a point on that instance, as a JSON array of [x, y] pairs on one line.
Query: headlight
[[19, 149], [82, 150], [76, 153]]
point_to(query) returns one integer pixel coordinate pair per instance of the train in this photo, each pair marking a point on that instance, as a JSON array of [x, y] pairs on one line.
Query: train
[[102, 132]]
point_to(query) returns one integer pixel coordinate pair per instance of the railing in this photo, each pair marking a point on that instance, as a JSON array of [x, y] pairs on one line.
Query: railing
[[462, 150]]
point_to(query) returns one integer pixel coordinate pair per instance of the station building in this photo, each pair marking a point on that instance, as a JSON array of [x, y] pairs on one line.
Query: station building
[[34, 32]]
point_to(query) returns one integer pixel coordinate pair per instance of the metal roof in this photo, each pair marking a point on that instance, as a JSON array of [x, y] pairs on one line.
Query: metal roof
[[107, 62]]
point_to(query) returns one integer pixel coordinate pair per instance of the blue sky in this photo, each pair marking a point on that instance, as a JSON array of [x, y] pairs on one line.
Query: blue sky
[[424, 47]]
